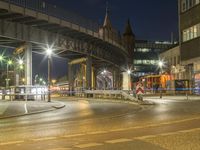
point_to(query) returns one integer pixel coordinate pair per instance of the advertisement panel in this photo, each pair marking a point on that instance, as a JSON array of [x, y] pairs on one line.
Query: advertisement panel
[[197, 84], [181, 85]]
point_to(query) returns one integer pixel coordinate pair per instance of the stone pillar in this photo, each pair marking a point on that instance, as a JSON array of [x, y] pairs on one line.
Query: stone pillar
[[89, 72], [114, 79], [28, 64], [94, 76], [70, 79]]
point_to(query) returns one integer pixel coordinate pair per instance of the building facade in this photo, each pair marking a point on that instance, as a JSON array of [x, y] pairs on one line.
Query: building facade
[[189, 33], [172, 63], [146, 56]]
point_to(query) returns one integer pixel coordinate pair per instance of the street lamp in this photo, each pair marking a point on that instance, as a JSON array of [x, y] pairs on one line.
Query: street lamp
[[160, 65], [7, 68], [1, 58], [49, 52], [20, 62], [129, 78]]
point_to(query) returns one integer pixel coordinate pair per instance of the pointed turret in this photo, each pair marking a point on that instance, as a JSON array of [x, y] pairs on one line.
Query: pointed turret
[[107, 32], [129, 42], [128, 29], [107, 22]]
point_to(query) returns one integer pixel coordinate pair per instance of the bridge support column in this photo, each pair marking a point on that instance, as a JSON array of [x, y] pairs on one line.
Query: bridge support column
[[70, 79], [28, 64], [89, 72], [114, 79], [94, 81]]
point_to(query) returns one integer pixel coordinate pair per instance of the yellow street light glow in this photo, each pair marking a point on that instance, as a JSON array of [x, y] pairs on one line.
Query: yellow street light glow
[[129, 71], [21, 67], [20, 61], [1, 57], [10, 62], [160, 64], [49, 51]]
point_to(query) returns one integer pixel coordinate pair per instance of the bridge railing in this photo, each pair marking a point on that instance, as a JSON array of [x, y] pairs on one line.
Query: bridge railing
[[112, 93], [52, 10]]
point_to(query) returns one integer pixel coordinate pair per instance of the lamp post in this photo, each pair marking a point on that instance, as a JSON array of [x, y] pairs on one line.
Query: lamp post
[[129, 75], [7, 69], [19, 72], [160, 65], [49, 53]]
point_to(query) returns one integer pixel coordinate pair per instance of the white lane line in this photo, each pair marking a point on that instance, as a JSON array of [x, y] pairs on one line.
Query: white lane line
[[73, 135], [88, 145], [25, 108], [60, 149], [118, 141], [167, 134], [190, 130], [97, 132], [44, 139], [116, 130], [144, 137], [12, 142]]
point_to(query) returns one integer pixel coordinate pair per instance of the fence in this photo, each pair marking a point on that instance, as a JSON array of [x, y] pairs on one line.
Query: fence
[[54, 11], [24, 93]]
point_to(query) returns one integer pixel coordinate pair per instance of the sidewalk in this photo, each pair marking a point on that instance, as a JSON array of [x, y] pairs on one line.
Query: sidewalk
[[179, 98], [20, 108]]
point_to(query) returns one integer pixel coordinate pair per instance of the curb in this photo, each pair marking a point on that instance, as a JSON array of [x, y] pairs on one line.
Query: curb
[[36, 112], [145, 102]]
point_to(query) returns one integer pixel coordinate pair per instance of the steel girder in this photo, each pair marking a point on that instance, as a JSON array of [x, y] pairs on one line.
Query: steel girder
[[96, 48]]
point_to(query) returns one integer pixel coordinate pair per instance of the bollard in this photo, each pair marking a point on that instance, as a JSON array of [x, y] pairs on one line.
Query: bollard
[[161, 94], [187, 96], [140, 98]]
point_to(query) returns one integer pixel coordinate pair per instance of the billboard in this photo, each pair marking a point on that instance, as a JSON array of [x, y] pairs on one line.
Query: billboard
[[181, 85]]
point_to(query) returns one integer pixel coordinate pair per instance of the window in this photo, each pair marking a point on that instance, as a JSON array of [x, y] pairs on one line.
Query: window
[[195, 31], [142, 50], [145, 62], [187, 4], [191, 33], [175, 61]]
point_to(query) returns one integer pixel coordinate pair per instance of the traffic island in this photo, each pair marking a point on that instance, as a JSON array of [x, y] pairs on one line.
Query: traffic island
[[9, 109]]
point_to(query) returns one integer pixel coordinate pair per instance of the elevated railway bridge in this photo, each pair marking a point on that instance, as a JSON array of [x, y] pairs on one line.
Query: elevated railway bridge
[[34, 25]]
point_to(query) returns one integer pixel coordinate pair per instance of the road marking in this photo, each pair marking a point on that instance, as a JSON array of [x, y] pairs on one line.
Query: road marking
[[167, 134], [144, 137], [116, 130], [73, 135], [12, 142], [190, 130], [88, 145], [44, 139], [118, 141], [98, 132], [25, 108], [60, 149]]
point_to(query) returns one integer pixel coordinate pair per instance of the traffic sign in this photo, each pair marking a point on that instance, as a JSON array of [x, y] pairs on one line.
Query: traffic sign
[[139, 88]]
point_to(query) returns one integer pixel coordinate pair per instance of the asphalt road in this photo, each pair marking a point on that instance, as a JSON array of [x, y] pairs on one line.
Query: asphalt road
[[106, 126]]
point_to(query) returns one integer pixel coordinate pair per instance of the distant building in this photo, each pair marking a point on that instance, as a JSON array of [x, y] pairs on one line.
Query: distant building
[[189, 31], [172, 63], [146, 56]]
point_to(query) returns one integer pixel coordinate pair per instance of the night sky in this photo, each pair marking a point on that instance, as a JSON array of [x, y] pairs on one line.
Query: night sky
[[151, 19]]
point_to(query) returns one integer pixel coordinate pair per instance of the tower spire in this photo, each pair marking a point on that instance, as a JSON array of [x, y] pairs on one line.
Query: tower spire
[[107, 22], [128, 29], [107, 7]]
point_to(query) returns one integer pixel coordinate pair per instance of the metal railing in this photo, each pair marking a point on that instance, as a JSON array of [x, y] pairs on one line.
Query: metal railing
[[54, 11]]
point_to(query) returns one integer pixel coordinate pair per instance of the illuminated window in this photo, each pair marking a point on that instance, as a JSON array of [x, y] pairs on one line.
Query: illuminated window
[[187, 4], [191, 33], [195, 31]]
